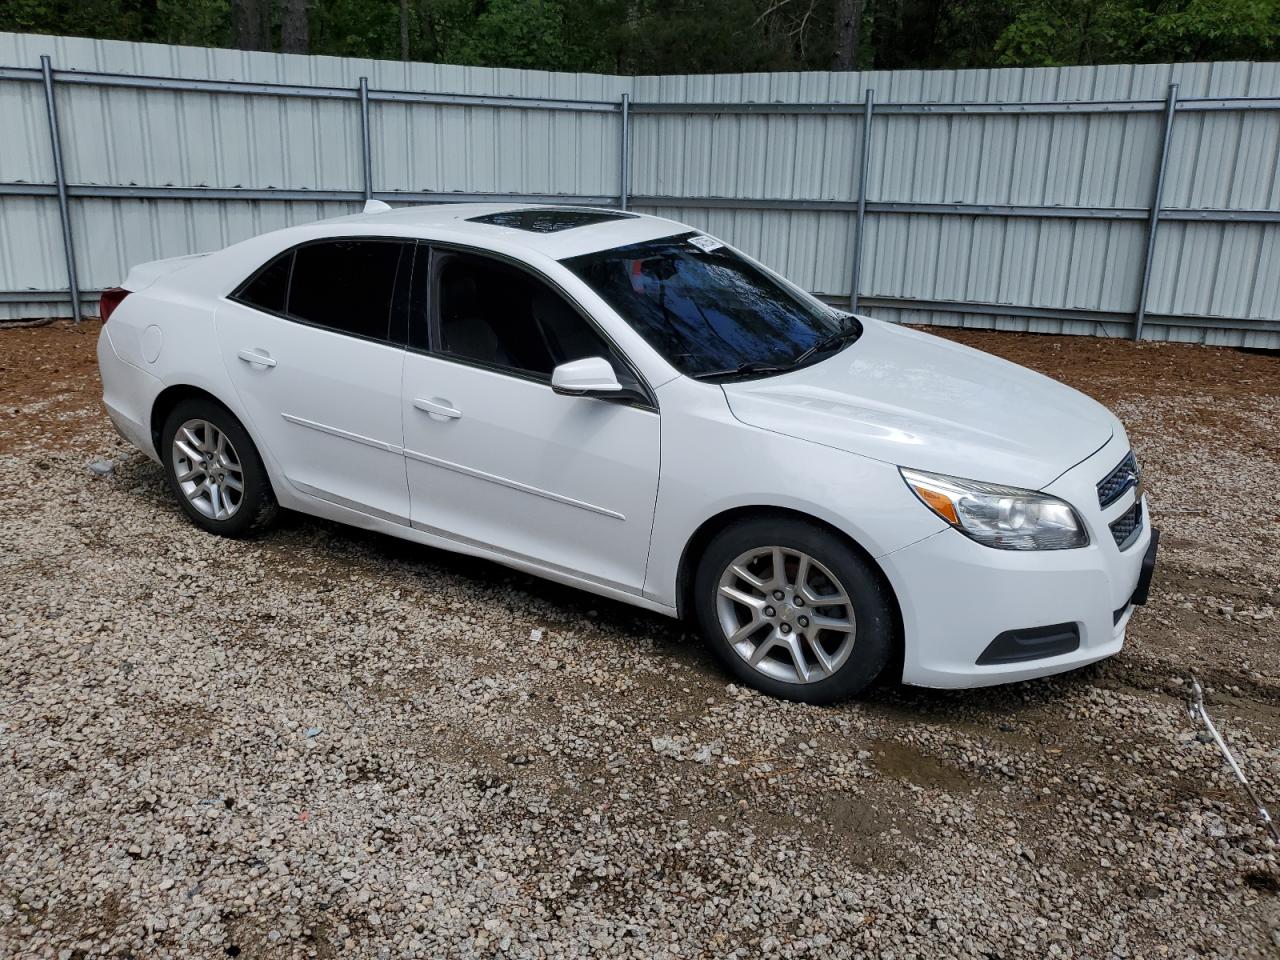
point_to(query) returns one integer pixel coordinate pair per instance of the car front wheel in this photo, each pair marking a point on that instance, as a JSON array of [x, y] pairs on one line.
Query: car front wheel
[[793, 610], [214, 469]]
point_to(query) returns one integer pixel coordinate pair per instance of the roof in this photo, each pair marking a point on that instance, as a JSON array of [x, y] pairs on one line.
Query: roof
[[529, 225]]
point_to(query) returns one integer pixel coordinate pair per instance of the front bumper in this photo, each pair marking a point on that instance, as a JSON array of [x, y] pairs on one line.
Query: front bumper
[[958, 596]]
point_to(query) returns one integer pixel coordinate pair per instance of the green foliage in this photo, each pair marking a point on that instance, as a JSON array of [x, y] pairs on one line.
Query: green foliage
[[696, 36], [1214, 30], [356, 28], [1058, 32], [199, 22], [515, 33]]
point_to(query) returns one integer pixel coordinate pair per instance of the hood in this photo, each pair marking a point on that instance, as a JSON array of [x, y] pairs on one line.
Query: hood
[[916, 400]]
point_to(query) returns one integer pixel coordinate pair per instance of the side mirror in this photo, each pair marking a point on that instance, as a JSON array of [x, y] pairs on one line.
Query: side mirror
[[588, 377]]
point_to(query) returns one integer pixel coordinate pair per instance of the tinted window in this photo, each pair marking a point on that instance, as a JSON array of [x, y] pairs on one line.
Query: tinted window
[[345, 285], [704, 307], [269, 287], [500, 316]]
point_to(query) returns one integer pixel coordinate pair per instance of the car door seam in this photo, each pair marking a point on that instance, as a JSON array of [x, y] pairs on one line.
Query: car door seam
[[512, 484]]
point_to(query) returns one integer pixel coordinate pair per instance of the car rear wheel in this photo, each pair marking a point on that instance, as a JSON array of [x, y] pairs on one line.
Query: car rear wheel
[[214, 469], [794, 610]]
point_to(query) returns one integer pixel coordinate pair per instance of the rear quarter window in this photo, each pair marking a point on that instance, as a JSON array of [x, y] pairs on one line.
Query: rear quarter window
[[268, 289]]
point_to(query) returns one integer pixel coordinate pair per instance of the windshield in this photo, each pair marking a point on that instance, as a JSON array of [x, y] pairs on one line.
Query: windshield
[[709, 311]]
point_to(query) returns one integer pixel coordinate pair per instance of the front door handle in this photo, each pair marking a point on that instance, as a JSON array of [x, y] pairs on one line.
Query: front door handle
[[437, 407], [253, 356]]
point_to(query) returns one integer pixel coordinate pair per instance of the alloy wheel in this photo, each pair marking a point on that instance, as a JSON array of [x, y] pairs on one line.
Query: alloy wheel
[[786, 614], [208, 469]]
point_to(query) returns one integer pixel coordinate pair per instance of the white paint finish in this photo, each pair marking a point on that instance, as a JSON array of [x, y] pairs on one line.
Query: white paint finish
[[128, 393], [152, 341], [976, 593], [916, 400], [590, 376], [502, 480], [144, 274], [329, 407], [568, 480], [457, 222], [713, 463], [606, 496]]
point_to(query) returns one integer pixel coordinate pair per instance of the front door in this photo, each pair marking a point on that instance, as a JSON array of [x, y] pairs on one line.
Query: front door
[[316, 359], [495, 457]]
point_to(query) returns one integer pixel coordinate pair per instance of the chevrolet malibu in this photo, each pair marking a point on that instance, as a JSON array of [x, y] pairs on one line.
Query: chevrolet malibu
[[624, 404]]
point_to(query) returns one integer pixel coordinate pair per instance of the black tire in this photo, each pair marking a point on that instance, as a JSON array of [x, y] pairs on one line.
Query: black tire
[[256, 507], [870, 609]]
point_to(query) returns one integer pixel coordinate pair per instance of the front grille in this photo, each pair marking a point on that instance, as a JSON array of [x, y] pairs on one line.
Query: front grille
[[1127, 526], [1112, 487]]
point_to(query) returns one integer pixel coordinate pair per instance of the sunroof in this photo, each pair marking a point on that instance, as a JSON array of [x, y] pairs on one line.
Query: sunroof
[[550, 219]]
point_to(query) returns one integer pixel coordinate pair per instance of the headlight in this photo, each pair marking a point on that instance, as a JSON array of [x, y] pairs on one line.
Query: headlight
[[1007, 518]]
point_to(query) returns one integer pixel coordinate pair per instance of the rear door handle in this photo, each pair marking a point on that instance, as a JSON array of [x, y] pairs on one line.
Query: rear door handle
[[437, 407], [261, 359]]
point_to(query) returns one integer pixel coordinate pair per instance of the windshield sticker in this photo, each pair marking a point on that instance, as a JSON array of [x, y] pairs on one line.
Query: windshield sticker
[[706, 244]]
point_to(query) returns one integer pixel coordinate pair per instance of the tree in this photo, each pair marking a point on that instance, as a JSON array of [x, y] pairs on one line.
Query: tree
[[515, 33], [1059, 32], [848, 32], [250, 24], [294, 32], [689, 36]]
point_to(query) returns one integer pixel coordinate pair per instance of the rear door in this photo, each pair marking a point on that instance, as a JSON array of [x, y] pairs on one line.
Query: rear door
[[314, 344], [495, 457]]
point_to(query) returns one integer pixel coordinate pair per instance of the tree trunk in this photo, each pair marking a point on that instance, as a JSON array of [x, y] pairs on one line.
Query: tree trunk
[[848, 34], [404, 29], [248, 24], [294, 35], [149, 20]]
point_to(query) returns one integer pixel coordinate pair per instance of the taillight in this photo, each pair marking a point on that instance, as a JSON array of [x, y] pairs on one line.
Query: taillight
[[112, 297]]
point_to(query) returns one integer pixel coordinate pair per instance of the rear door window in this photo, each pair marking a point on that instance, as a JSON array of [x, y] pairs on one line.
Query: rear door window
[[345, 285], [356, 287]]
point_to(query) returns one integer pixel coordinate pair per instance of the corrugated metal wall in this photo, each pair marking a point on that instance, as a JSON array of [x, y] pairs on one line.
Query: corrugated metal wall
[[130, 137], [1228, 159], [1215, 281]]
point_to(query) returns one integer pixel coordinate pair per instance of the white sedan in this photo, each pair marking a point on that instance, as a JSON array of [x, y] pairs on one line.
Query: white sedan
[[623, 404]]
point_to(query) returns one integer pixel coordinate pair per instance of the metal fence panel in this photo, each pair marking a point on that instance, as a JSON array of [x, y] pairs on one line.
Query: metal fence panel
[[1013, 198], [30, 247], [429, 148], [135, 137], [24, 144]]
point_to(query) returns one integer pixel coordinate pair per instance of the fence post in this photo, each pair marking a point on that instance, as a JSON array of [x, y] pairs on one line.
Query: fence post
[[69, 250], [1153, 220], [867, 111], [624, 172], [365, 147]]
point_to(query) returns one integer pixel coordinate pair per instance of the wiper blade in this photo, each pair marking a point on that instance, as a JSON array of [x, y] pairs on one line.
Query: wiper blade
[[844, 335], [741, 370]]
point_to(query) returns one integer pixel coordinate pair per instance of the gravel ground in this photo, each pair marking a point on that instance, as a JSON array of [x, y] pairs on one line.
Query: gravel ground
[[330, 743]]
